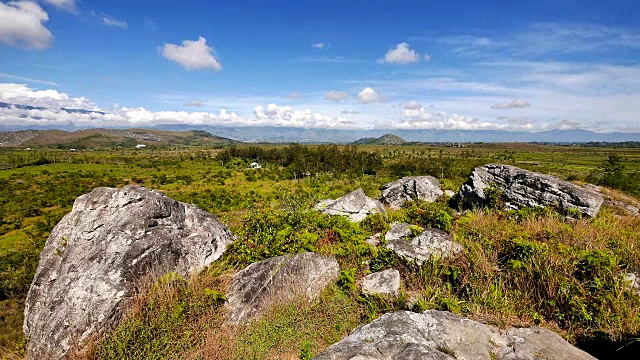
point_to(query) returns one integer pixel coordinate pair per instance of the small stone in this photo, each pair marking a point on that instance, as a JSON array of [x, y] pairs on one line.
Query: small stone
[[396, 193], [356, 206], [385, 282], [431, 242]]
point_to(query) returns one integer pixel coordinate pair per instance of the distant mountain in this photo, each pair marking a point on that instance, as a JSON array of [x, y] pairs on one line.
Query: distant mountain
[[108, 138], [386, 139], [273, 134]]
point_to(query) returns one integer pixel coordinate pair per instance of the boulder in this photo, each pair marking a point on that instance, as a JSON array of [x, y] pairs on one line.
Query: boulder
[[449, 193], [632, 281], [442, 335], [523, 188], [396, 193], [374, 240], [92, 262], [385, 282], [323, 204], [282, 278], [356, 205], [398, 231], [431, 242]]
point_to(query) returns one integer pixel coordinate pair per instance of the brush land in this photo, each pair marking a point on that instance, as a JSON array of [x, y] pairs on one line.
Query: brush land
[[519, 268]]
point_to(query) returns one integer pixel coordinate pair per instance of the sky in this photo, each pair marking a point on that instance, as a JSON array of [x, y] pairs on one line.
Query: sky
[[375, 64]]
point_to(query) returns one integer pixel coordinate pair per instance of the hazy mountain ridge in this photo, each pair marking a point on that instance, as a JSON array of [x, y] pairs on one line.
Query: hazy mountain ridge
[[386, 139], [272, 134]]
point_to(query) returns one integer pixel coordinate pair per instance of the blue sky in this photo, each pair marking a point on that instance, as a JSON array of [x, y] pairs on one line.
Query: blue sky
[[337, 64]]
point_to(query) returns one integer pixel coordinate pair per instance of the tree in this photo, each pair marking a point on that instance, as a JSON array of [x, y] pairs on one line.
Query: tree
[[613, 172]]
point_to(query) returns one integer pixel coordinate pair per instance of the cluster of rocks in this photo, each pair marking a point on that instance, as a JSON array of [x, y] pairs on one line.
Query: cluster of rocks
[[96, 256]]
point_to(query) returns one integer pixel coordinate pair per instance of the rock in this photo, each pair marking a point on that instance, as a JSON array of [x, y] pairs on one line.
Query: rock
[[282, 278], [632, 282], [323, 204], [523, 188], [431, 242], [624, 203], [396, 193], [374, 240], [94, 257], [442, 335], [385, 282], [355, 205], [449, 194], [398, 231]]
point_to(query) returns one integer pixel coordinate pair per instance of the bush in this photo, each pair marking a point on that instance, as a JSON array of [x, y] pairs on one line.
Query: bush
[[436, 215]]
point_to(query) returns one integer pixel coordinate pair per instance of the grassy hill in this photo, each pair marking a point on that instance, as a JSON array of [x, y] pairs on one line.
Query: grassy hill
[[93, 138], [387, 139]]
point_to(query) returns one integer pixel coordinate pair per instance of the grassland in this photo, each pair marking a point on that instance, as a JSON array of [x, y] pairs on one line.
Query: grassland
[[518, 268]]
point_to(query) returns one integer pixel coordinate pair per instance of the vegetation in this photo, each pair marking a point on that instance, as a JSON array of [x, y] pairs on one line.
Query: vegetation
[[523, 267]]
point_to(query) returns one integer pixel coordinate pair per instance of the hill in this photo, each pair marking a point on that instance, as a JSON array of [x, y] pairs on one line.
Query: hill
[[386, 139], [108, 138]]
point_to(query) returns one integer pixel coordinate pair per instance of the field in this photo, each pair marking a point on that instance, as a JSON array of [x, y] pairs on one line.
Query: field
[[519, 268]]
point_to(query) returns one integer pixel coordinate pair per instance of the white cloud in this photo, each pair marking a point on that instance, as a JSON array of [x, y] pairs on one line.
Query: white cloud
[[517, 103], [66, 5], [52, 108], [414, 117], [110, 21], [21, 25], [194, 103], [27, 79], [319, 45], [294, 96], [401, 54], [412, 105], [369, 95], [193, 55], [335, 95]]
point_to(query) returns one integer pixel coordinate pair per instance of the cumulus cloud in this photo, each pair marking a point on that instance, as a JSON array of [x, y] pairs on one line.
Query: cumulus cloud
[[275, 115], [401, 54], [336, 95], [66, 5], [109, 21], [350, 112], [194, 103], [23, 106], [22, 25], [517, 103], [416, 117], [193, 55], [369, 95]]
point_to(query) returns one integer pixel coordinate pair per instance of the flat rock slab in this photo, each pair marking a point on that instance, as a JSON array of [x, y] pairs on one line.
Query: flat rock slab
[[523, 188], [430, 243], [441, 335], [398, 231], [396, 193], [385, 282], [356, 205], [284, 278], [94, 257]]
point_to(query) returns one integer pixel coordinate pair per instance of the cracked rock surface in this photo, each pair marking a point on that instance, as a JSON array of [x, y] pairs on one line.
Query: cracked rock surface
[[356, 205], [523, 188], [281, 278], [431, 242], [441, 335], [98, 252], [396, 193], [385, 282]]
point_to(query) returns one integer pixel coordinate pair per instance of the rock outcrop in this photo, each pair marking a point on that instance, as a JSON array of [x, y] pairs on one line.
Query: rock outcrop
[[385, 282], [356, 205], [523, 188], [431, 242], [444, 336], [95, 256], [282, 278], [396, 193]]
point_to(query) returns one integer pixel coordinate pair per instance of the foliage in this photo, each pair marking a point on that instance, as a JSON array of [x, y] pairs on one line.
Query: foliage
[[436, 215]]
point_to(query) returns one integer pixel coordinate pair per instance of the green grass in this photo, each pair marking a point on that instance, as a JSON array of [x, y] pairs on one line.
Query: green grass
[[517, 268]]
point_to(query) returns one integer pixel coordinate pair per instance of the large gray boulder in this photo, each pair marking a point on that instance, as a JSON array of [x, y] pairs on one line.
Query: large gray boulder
[[430, 243], [398, 231], [441, 335], [356, 205], [94, 257], [396, 193], [279, 279], [523, 188]]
